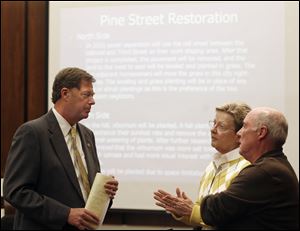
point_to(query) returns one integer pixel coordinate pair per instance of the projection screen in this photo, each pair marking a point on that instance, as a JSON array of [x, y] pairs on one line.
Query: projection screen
[[161, 68]]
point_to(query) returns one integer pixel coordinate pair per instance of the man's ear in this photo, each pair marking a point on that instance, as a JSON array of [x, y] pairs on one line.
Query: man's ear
[[263, 131], [65, 93]]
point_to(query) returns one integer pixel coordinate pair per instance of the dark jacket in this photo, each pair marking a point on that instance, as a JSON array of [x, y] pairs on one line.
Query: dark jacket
[[265, 195], [40, 179]]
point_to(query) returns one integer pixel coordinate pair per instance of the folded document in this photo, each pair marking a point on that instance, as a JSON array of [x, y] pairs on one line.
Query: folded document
[[98, 200]]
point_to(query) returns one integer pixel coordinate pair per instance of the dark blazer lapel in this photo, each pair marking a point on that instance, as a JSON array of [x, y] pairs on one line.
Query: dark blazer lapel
[[87, 146], [59, 145]]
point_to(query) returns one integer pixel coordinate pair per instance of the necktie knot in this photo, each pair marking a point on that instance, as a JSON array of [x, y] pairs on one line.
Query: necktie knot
[[73, 132]]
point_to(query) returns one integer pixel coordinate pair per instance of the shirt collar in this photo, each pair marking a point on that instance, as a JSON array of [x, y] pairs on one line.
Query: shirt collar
[[63, 123], [220, 159]]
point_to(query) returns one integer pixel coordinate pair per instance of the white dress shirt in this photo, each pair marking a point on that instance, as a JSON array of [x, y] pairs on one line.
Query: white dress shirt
[[65, 128]]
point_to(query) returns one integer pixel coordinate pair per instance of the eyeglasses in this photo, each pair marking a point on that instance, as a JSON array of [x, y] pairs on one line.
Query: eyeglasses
[[221, 127], [87, 94]]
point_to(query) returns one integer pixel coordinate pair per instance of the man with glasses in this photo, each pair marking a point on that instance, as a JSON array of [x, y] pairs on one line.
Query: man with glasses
[[226, 165], [53, 161]]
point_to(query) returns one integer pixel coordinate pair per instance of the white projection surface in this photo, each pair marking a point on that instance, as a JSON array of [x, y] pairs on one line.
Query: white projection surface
[[161, 69]]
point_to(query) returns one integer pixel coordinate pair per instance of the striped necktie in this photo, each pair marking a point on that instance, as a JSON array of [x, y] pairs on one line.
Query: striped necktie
[[79, 163]]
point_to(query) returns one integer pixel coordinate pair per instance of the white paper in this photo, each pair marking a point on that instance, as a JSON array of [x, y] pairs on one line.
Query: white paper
[[98, 199]]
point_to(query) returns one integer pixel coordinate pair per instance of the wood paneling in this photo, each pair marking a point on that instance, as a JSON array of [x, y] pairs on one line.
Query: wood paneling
[[24, 30], [12, 72], [37, 31]]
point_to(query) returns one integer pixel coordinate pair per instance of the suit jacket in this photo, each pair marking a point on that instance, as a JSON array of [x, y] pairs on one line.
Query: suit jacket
[[265, 195], [40, 179]]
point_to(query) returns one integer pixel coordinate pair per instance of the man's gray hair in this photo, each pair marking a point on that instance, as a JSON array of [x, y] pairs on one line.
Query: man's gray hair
[[275, 122]]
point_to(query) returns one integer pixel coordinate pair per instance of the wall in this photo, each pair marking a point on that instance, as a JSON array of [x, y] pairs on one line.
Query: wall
[[292, 82], [24, 28]]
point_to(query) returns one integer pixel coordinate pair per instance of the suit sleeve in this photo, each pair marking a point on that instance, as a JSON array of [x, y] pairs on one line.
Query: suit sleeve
[[241, 198], [22, 177]]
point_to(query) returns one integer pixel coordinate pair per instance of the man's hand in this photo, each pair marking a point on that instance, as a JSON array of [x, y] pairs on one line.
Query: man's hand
[[82, 218], [179, 205], [111, 187]]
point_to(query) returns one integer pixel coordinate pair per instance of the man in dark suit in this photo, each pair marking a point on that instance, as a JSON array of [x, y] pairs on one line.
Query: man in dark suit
[[43, 180]]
